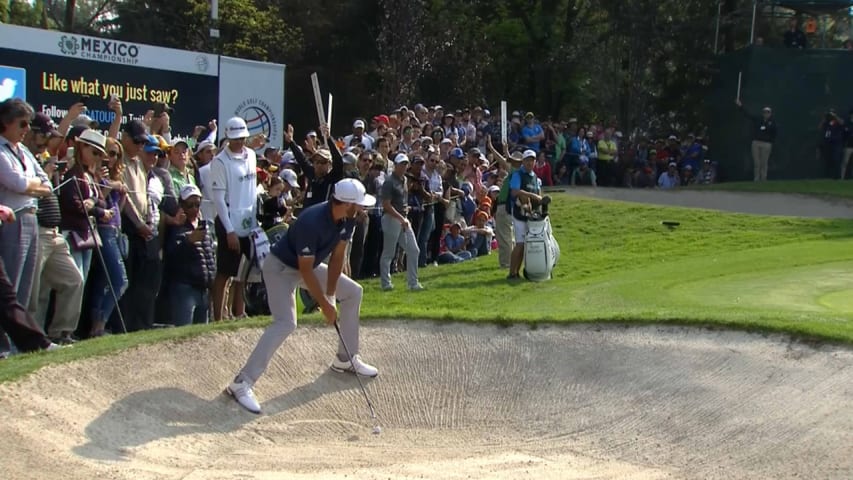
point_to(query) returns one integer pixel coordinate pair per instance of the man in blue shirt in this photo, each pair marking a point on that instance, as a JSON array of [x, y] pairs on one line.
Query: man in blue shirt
[[532, 133], [296, 261]]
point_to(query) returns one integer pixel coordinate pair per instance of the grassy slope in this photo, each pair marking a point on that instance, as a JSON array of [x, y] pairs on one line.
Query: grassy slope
[[619, 264], [822, 188]]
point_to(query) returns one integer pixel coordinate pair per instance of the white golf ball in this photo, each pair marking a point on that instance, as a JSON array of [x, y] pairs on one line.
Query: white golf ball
[[377, 430]]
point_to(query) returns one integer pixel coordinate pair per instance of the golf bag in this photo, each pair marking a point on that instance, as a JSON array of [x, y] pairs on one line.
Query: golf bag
[[254, 289], [541, 250]]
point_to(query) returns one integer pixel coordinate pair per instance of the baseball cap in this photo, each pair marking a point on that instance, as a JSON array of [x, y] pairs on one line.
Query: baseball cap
[[160, 108], [137, 131], [401, 158], [672, 164], [494, 189], [382, 119], [474, 151], [289, 176], [584, 160], [323, 153], [350, 190], [446, 140], [236, 128], [529, 115], [43, 124], [287, 157], [486, 112], [189, 190], [672, 137], [457, 153], [152, 144], [358, 124], [528, 154], [93, 139], [204, 146], [84, 120], [349, 158], [516, 113], [516, 157], [767, 109], [178, 141], [418, 158]]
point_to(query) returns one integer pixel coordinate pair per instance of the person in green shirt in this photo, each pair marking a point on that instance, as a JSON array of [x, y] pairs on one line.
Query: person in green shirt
[[606, 165], [179, 169]]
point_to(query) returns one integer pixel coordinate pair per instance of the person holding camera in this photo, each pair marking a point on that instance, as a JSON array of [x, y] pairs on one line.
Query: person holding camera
[[190, 262]]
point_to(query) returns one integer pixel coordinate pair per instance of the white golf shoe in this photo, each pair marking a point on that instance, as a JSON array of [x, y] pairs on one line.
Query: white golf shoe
[[242, 393], [357, 366]]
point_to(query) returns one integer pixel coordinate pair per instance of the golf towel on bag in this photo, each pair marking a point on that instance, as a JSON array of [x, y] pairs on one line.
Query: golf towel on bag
[[541, 250]]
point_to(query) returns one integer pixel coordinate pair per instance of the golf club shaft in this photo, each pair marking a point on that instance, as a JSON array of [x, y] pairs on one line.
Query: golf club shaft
[[349, 355]]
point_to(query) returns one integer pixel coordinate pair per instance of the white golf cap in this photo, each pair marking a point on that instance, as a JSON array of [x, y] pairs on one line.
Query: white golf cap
[[287, 157], [177, 141], [236, 128], [350, 190], [204, 146], [528, 154], [494, 189], [289, 176], [189, 190], [401, 158], [358, 124]]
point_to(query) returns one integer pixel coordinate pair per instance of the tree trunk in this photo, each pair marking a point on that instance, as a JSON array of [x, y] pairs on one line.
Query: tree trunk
[[69, 15]]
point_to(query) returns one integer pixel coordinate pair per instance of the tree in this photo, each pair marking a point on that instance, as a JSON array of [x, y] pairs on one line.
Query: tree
[[248, 28]]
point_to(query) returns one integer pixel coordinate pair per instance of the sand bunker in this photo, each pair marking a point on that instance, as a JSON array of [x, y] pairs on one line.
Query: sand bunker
[[455, 401]]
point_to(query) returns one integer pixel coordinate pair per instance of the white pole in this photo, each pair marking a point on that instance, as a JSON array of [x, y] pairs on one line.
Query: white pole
[[503, 123], [318, 102], [739, 78], [717, 31], [329, 113], [752, 30], [214, 10]]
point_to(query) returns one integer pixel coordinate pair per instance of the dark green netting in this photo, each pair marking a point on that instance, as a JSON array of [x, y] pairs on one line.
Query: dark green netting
[[800, 86]]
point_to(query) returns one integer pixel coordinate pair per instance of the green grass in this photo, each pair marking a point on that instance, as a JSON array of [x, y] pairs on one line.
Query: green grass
[[820, 188], [619, 264]]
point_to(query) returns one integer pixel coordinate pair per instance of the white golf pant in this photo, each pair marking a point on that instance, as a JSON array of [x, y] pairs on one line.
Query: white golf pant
[[281, 282]]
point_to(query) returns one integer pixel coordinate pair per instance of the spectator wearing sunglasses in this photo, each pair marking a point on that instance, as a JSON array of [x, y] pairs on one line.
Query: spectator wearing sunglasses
[[81, 198], [114, 246], [22, 182]]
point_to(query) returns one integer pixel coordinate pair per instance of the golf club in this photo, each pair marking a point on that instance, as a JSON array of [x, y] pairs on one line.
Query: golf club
[[376, 429]]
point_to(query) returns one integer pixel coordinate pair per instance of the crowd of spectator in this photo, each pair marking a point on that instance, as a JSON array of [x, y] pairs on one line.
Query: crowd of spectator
[[128, 227]]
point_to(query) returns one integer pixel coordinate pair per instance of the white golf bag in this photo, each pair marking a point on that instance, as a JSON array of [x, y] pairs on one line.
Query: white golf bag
[[541, 250]]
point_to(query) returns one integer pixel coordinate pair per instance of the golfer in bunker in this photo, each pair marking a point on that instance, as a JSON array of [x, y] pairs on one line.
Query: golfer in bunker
[[295, 261]]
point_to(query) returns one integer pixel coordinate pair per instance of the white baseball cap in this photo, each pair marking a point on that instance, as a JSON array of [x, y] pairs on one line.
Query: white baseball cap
[[494, 188], [358, 124], [189, 190], [289, 176], [236, 128], [287, 157], [204, 146], [528, 154], [350, 190], [401, 158]]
